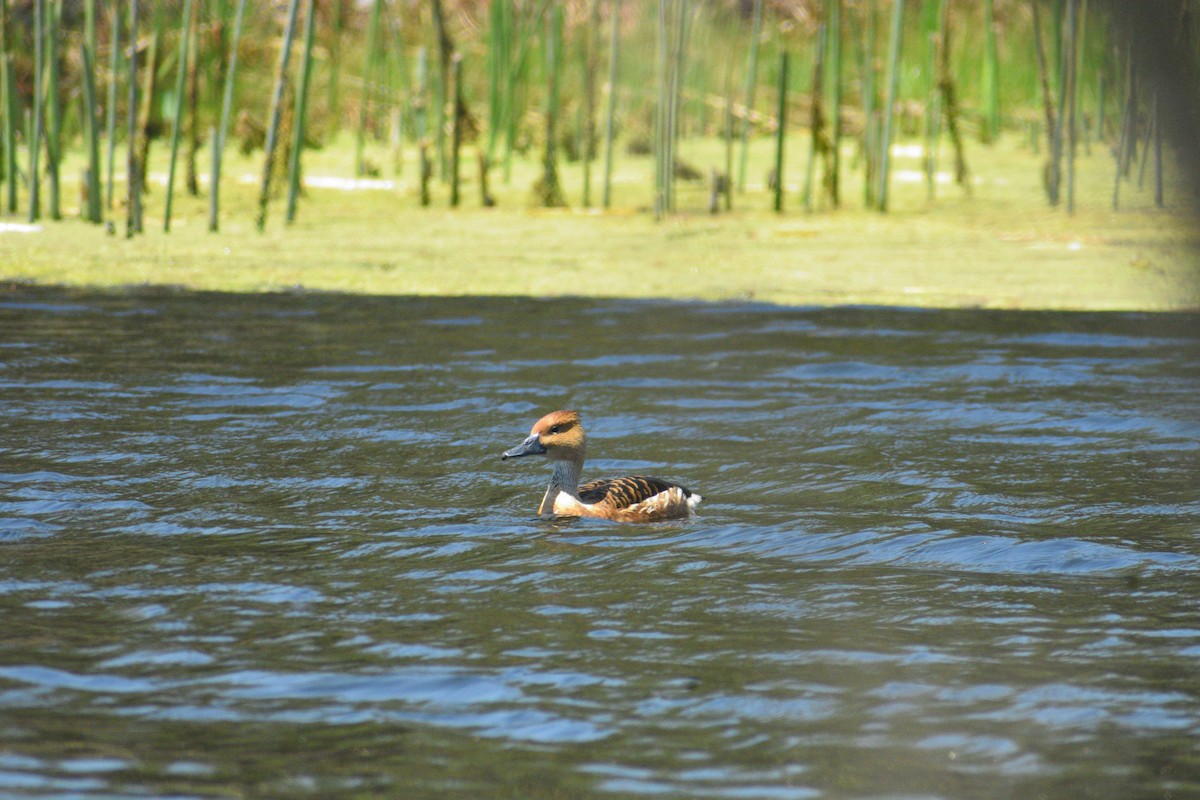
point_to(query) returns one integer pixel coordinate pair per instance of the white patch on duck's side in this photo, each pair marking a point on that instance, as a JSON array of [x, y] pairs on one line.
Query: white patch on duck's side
[[565, 504], [664, 504]]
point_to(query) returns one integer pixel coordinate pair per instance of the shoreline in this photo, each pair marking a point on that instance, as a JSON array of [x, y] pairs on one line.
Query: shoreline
[[997, 247], [918, 262]]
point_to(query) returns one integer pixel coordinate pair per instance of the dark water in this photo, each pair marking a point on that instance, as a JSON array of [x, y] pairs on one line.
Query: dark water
[[265, 547]]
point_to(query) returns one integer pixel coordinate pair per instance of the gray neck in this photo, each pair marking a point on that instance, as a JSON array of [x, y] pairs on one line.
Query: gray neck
[[564, 479]]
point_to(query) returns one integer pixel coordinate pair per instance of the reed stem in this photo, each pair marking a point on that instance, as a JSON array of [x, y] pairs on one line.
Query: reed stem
[[91, 129], [610, 113], [185, 36], [35, 141], [931, 28], [816, 117], [751, 82], [277, 100], [1158, 159], [1070, 64], [299, 122], [6, 121], [420, 103], [110, 126], [360, 167], [132, 178], [781, 131], [11, 112], [456, 130], [336, 25], [990, 90], [833, 179], [1053, 172], [590, 63], [870, 110], [660, 112], [214, 206], [193, 98], [445, 53], [889, 105], [550, 191], [54, 109], [1126, 126]]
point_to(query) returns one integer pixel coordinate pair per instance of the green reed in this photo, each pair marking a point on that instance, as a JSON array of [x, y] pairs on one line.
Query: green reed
[[185, 38], [53, 130], [132, 176], [614, 49], [781, 131], [299, 124], [751, 84], [889, 103], [218, 147], [277, 101]]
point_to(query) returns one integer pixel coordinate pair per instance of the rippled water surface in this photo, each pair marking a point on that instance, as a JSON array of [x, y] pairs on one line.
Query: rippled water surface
[[265, 546]]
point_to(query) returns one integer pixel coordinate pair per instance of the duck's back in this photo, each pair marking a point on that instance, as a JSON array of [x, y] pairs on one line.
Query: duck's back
[[637, 498]]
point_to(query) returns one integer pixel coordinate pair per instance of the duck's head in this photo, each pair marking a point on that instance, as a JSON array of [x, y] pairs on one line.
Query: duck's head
[[558, 436]]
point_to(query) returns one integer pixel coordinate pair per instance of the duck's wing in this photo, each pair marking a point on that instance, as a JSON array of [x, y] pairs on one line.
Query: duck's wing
[[619, 493]]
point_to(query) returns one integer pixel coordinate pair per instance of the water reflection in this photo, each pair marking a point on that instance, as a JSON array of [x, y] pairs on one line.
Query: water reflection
[[264, 545]]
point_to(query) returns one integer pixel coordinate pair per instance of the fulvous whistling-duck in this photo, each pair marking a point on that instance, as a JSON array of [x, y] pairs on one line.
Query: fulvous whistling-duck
[[559, 437]]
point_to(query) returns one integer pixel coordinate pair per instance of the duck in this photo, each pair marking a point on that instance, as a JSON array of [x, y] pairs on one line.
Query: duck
[[635, 498]]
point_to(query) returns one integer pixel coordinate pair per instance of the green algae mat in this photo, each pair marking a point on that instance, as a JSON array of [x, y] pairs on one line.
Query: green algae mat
[[999, 246]]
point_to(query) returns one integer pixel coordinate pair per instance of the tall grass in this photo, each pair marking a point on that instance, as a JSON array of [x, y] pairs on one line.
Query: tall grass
[[868, 79]]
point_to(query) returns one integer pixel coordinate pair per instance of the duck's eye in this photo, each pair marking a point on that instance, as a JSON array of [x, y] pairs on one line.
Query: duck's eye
[[555, 429]]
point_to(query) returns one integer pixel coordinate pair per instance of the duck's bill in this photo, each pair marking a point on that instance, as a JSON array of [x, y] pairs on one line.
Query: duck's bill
[[532, 446]]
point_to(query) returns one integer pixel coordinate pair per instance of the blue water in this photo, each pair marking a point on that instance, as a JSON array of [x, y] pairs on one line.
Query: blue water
[[265, 546]]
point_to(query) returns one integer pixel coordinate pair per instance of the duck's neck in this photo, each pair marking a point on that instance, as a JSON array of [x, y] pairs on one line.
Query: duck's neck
[[565, 478]]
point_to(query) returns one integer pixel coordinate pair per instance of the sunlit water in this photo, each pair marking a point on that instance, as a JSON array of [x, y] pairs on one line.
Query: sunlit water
[[265, 546]]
